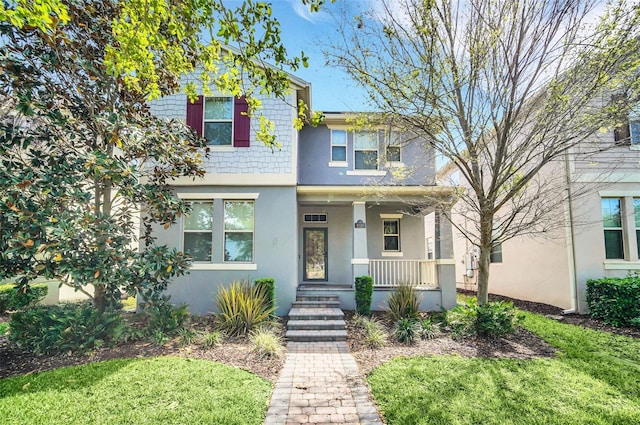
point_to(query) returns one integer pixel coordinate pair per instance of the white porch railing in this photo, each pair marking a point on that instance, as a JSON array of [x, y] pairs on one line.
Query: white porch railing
[[393, 272]]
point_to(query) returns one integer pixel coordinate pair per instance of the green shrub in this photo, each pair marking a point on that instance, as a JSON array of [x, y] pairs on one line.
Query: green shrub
[[187, 336], [359, 321], [64, 327], [403, 303], [494, 319], [427, 329], [12, 298], [406, 330], [615, 301], [165, 318], [375, 334], [265, 342], [209, 340], [364, 294], [242, 308], [269, 286]]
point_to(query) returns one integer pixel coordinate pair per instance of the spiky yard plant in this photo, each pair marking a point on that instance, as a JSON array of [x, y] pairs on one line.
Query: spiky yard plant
[[242, 307]]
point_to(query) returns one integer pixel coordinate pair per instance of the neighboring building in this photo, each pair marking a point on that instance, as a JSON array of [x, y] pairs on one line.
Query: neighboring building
[[328, 205], [600, 235]]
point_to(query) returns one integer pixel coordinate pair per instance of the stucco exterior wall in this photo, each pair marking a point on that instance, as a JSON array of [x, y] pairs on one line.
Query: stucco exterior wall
[[315, 155], [275, 249]]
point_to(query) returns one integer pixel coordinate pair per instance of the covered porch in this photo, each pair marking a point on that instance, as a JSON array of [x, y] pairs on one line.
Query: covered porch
[[383, 232]]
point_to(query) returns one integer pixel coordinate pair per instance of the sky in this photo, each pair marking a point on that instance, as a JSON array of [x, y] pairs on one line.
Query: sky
[[331, 88]]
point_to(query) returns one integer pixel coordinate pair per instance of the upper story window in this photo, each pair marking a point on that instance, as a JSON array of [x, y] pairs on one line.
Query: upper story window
[[612, 223], [495, 256], [238, 231], [629, 130], [223, 121], [392, 151], [198, 231], [218, 120], [366, 150], [338, 145]]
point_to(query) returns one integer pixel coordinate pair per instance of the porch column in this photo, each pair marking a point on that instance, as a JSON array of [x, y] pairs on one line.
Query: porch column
[[445, 265], [360, 259]]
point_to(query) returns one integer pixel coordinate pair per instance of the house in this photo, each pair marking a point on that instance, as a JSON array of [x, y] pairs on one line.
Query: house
[[331, 203], [598, 235]]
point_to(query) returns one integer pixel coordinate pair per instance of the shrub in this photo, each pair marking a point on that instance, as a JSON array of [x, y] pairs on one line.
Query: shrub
[[242, 308], [187, 336], [12, 298], [494, 319], [375, 335], [265, 342], [64, 327], [403, 303], [406, 330], [269, 286], [427, 329], [359, 321], [364, 294], [615, 301], [165, 318], [209, 340]]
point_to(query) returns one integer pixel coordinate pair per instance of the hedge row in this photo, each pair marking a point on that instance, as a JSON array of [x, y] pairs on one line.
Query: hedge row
[[615, 301], [14, 299]]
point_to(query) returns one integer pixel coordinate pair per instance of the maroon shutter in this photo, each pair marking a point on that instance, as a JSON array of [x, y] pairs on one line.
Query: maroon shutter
[[241, 123], [195, 116]]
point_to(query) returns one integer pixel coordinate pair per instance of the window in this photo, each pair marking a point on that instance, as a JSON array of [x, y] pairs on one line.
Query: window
[[315, 218], [393, 153], [223, 121], [391, 231], [429, 248], [338, 145], [218, 120], [238, 231], [198, 231], [612, 223], [366, 150], [496, 254], [629, 130], [636, 213]]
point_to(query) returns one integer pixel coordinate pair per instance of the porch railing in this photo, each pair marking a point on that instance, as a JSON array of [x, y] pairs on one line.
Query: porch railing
[[393, 272]]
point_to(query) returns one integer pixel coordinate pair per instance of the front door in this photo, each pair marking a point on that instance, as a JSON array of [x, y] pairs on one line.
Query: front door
[[315, 254]]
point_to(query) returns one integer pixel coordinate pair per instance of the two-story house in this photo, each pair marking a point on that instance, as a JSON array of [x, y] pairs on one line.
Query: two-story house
[[599, 233], [330, 204]]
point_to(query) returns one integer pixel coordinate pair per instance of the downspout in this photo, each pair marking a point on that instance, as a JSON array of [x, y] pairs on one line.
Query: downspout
[[573, 283]]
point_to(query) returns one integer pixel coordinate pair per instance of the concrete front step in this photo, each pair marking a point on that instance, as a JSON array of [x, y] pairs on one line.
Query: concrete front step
[[315, 304], [316, 335], [315, 313], [310, 325], [309, 297]]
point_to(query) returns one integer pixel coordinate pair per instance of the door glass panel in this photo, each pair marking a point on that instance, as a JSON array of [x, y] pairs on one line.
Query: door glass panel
[[315, 258]]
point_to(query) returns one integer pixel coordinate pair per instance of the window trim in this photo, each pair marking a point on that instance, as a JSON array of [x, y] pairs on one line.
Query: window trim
[[225, 231], [396, 235], [230, 120], [184, 230], [377, 151], [619, 229]]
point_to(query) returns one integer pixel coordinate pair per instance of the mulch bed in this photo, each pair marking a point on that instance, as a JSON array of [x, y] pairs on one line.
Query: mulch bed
[[237, 352]]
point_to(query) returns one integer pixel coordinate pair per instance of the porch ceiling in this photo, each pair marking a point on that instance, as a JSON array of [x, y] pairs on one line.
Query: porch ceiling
[[401, 194]]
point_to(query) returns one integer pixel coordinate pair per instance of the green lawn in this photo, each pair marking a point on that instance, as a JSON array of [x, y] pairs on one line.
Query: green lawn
[[595, 379], [162, 390], [4, 326]]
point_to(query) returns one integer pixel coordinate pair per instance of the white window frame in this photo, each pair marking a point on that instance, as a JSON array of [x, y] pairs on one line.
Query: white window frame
[[377, 151], [225, 231], [185, 230], [616, 228], [339, 163], [230, 120]]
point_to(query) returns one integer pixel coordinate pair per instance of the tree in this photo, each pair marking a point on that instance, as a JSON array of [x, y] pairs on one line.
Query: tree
[[499, 88], [85, 166]]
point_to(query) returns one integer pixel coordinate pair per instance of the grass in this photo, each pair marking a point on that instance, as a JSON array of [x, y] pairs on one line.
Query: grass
[[4, 326], [162, 390], [593, 380]]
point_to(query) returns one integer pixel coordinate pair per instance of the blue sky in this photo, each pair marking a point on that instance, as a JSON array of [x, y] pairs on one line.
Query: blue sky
[[332, 90]]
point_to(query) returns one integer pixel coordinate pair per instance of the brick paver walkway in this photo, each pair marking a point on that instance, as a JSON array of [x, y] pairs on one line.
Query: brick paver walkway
[[321, 384]]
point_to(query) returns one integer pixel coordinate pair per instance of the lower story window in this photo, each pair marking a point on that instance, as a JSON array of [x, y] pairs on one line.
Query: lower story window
[[238, 231], [198, 231], [612, 224], [391, 231]]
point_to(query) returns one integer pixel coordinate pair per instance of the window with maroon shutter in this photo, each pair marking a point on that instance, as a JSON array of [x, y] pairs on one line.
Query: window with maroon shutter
[[221, 120]]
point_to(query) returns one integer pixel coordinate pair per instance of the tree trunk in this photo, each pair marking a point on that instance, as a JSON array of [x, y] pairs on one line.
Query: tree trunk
[[486, 230], [99, 298]]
